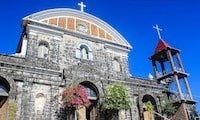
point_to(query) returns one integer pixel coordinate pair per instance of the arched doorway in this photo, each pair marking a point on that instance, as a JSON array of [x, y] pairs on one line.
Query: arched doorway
[[146, 114], [147, 98], [4, 94], [93, 95]]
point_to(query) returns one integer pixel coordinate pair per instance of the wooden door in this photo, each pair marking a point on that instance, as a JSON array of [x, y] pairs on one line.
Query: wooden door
[[91, 111], [4, 111], [81, 113]]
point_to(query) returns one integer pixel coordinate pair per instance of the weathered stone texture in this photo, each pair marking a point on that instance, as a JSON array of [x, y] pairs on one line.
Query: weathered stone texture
[[43, 78]]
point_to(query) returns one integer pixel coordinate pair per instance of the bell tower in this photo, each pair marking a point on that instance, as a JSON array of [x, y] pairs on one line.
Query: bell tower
[[168, 69], [167, 56]]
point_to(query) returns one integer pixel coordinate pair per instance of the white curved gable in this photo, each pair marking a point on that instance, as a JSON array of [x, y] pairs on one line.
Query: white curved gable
[[69, 19]]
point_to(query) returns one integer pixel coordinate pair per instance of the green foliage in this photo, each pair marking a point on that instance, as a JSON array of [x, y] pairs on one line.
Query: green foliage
[[116, 97], [149, 106], [168, 108], [12, 110]]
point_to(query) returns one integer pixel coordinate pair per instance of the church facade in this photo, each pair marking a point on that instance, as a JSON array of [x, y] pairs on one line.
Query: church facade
[[62, 46]]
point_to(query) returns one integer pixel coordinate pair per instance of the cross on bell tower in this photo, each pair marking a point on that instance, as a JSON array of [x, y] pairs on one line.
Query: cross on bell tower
[[158, 30], [168, 69]]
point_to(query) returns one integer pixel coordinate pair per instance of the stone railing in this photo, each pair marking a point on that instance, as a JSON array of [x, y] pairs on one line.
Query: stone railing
[[42, 63], [11, 59]]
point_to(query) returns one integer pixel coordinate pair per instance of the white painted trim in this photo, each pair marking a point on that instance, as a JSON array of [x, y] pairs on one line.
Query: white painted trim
[[53, 30], [24, 47], [81, 15], [32, 33], [57, 38]]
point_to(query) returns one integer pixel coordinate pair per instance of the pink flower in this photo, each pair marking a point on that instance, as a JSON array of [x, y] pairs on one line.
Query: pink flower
[[75, 97]]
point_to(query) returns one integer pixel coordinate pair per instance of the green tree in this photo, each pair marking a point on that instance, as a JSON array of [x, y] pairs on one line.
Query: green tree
[[116, 97], [168, 108]]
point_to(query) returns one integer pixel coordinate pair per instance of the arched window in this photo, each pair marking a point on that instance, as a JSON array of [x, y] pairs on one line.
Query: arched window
[[90, 90], [39, 103], [84, 52], [43, 49], [116, 65]]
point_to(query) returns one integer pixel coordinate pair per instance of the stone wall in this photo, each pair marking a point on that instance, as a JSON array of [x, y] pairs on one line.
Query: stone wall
[[32, 80], [38, 80], [29, 81]]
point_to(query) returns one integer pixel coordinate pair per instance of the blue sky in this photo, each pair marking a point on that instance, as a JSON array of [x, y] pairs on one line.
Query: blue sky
[[179, 19]]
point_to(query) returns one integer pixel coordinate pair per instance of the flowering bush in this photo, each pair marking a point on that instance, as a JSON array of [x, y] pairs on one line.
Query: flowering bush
[[74, 96]]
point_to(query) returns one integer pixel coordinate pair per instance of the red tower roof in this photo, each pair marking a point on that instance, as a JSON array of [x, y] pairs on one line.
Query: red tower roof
[[161, 46]]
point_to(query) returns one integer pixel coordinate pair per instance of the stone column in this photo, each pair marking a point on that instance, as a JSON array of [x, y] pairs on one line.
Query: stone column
[[26, 101]]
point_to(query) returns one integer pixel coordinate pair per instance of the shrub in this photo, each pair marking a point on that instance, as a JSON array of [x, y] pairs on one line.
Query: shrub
[[149, 106], [168, 108], [74, 96], [116, 97]]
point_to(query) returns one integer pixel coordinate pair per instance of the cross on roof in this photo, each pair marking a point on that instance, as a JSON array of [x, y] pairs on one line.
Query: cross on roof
[[158, 30], [82, 5]]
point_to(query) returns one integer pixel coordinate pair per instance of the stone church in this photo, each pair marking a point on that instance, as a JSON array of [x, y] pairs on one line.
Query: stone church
[[60, 46]]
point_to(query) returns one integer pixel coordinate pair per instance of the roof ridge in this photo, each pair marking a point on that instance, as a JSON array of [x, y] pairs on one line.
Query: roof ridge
[[161, 46]]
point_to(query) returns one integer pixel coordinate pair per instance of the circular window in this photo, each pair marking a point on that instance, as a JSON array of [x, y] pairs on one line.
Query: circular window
[[82, 27]]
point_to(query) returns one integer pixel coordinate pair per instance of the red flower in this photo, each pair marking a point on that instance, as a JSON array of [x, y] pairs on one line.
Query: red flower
[[75, 97]]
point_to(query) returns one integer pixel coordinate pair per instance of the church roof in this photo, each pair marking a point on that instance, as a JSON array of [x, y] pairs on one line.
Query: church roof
[[81, 22], [162, 45], [160, 51]]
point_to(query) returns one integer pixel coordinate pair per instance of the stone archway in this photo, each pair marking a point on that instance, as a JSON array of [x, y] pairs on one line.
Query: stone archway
[[90, 112], [150, 98], [4, 94], [146, 114]]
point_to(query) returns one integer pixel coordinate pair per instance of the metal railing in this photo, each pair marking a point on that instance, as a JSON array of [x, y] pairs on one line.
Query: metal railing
[[165, 118]]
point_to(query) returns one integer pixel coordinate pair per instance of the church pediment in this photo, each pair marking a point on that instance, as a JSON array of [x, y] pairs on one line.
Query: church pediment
[[79, 25], [80, 22]]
